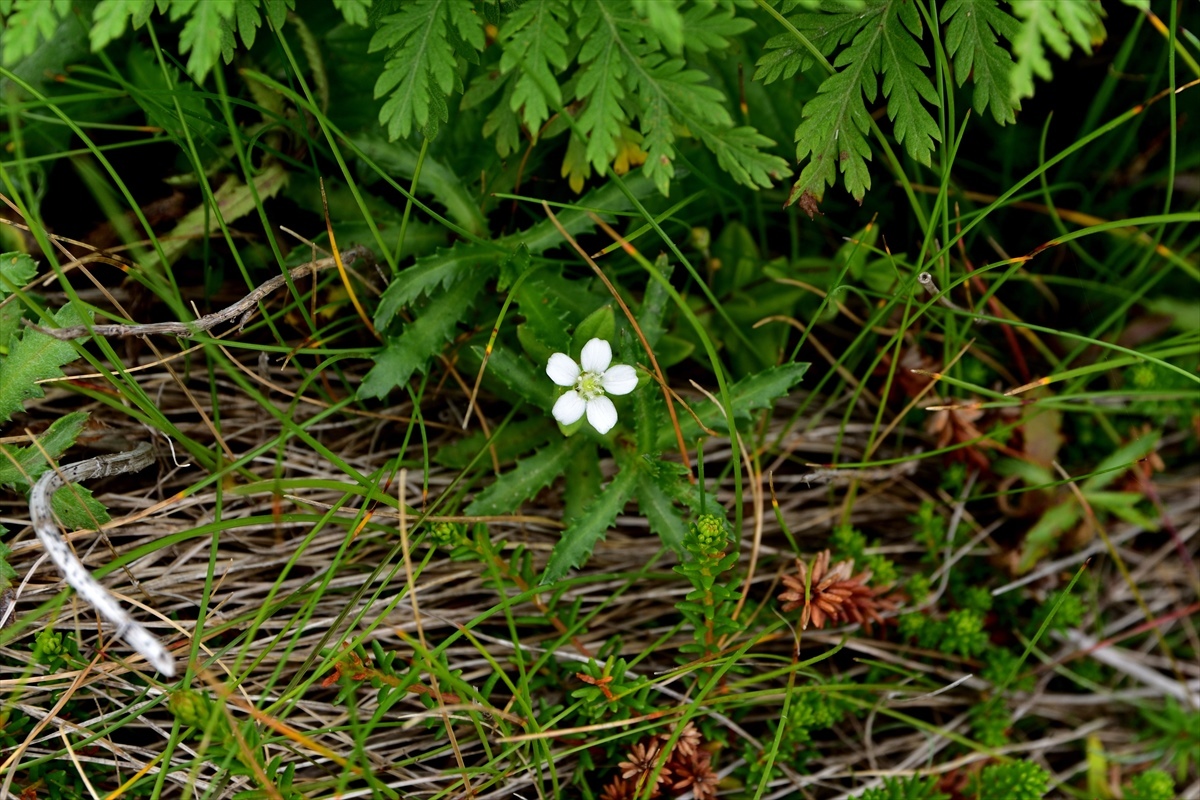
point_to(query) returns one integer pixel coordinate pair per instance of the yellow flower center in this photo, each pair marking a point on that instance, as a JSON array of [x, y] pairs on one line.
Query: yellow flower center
[[589, 386]]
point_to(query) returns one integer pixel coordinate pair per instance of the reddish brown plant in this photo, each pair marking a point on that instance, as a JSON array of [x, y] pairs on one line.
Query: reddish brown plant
[[836, 595], [642, 759], [694, 773]]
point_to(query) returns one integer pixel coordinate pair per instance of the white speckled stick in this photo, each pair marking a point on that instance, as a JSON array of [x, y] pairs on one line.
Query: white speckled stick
[[73, 571]]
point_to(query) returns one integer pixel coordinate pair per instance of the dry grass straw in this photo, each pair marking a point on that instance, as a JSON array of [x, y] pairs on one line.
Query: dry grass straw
[[635, 603]]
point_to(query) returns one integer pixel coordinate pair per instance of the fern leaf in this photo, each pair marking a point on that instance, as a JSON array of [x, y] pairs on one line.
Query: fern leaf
[[423, 339], [669, 92], [526, 479], [32, 358], [29, 23], [601, 85], [111, 16], [832, 137], [786, 55], [1054, 24], [353, 11], [836, 121], [707, 28], [664, 20], [580, 538], [534, 38], [738, 153], [971, 40], [905, 85], [203, 34], [421, 68]]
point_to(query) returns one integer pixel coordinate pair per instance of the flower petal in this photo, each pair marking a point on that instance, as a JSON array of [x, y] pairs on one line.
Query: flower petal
[[601, 413], [596, 356], [562, 369], [569, 408], [619, 379]]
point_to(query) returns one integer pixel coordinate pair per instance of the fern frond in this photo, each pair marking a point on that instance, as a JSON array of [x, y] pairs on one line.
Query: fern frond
[[885, 39], [1054, 24], [535, 38], [971, 41], [423, 41]]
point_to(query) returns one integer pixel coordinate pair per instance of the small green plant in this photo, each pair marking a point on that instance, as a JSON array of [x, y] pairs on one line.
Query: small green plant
[[1175, 732], [709, 607], [1018, 780], [1153, 784], [1067, 512], [912, 787]]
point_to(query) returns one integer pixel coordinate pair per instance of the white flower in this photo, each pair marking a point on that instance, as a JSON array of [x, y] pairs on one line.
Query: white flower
[[589, 380]]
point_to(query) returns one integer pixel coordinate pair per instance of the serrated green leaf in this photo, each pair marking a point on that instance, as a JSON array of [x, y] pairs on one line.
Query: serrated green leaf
[[422, 339], [35, 357], [749, 394], [971, 41], [20, 467], [578, 540], [601, 86], [248, 20], [662, 514], [503, 123], [277, 11], [785, 54], [545, 319], [29, 23], [1054, 24], [439, 271], [513, 267], [669, 93], [707, 28], [665, 20], [16, 270], [534, 38], [203, 34], [353, 11], [738, 153], [582, 485], [526, 479], [110, 18], [518, 376], [832, 137], [75, 507], [516, 439]]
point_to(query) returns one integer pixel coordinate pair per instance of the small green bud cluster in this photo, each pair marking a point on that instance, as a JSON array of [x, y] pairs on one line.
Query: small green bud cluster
[[47, 645], [712, 534], [448, 534], [189, 707]]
